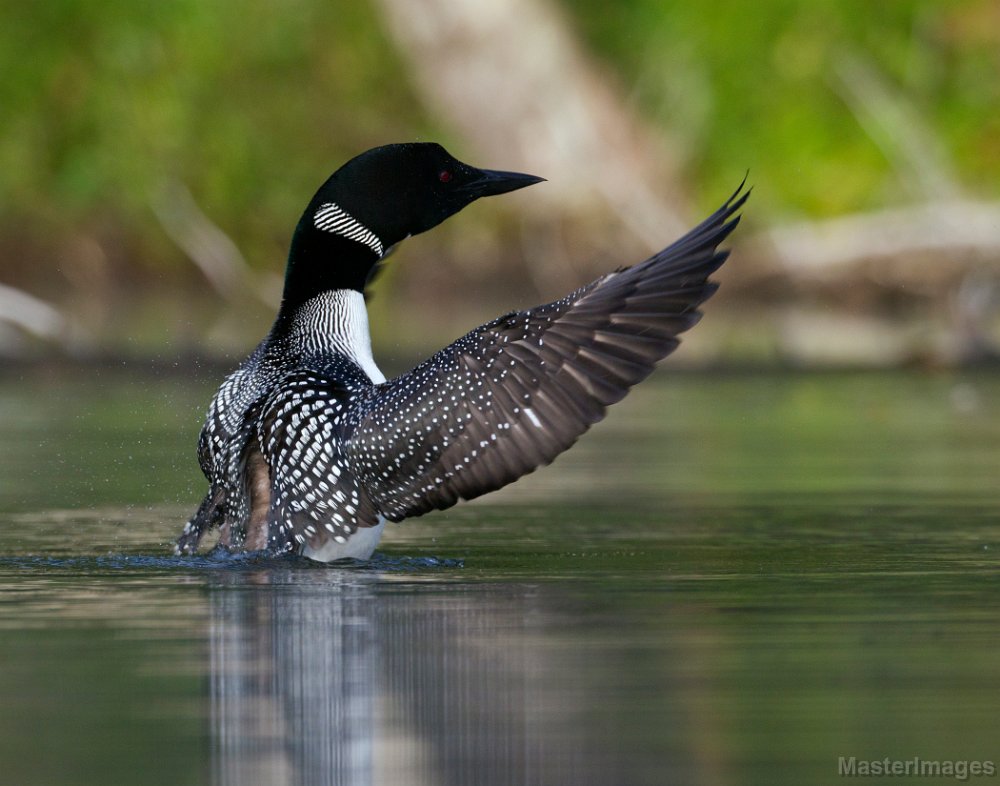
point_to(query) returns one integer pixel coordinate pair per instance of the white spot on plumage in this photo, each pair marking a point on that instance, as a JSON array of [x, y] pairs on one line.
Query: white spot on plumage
[[532, 417]]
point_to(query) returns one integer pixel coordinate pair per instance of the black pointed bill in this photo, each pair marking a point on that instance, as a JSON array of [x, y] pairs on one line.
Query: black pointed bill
[[491, 182]]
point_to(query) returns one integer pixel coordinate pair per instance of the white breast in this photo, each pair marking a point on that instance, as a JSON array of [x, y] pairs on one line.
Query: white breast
[[361, 545]]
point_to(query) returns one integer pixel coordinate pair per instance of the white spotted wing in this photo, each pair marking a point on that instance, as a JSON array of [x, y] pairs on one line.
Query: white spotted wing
[[513, 394]]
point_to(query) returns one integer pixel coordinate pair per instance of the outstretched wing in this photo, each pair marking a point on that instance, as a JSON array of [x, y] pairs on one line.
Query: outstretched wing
[[513, 394]]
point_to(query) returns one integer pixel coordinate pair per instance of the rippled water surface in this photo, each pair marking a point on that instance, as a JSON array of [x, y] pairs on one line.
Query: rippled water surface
[[734, 579]]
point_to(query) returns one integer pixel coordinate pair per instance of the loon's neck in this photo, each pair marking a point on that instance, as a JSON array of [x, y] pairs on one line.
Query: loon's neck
[[321, 260], [334, 321]]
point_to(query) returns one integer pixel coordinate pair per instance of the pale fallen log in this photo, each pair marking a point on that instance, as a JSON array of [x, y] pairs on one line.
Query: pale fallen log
[[924, 235], [31, 314]]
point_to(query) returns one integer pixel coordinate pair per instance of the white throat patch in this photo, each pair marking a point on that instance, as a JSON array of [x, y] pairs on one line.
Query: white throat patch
[[336, 320], [331, 218]]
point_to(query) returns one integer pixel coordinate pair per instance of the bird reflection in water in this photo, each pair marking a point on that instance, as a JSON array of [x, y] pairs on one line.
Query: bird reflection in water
[[334, 676]]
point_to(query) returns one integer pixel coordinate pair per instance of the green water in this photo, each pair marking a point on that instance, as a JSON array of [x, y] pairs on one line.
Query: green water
[[734, 579]]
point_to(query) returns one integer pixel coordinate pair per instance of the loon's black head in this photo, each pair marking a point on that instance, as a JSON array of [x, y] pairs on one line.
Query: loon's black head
[[376, 200]]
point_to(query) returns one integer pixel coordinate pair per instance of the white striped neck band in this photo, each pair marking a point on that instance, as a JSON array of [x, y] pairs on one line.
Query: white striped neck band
[[331, 218]]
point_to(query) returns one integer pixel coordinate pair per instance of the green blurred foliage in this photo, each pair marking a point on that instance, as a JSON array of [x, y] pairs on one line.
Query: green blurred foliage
[[251, 104], [738, 83]]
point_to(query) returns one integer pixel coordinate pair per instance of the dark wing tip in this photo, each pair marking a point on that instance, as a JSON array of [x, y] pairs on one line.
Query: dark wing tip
[[696, 253], [725, 217]]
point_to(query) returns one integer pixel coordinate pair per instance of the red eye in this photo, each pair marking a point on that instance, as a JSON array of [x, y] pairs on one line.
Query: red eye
[[444, 176]]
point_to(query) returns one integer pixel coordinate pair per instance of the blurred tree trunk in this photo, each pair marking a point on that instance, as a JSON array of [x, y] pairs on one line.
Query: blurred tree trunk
[[512, 80]]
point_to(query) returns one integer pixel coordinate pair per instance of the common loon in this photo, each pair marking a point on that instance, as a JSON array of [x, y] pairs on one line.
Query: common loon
[[308, 449]]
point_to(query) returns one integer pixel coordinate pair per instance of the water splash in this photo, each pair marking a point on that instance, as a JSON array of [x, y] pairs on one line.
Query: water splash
[[221, 559]]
